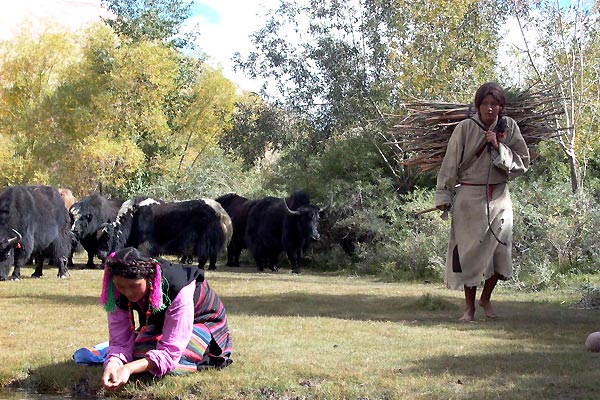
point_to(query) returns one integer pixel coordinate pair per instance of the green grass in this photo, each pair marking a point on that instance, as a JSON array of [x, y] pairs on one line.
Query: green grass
[[319, 337]]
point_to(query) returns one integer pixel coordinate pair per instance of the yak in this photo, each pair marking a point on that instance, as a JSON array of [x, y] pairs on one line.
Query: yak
[[33, 223], [87, 215], [275, 225], [238, 208], [179, 228], [226, 225], [67, 196]]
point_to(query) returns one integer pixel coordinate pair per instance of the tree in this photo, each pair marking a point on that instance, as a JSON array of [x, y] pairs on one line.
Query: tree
[[170, 106], [150, 20], [342, 64], [115, 94], [206, 118], [104, 164], [335, 59], [564, 55], [257, 127], [31, 68]]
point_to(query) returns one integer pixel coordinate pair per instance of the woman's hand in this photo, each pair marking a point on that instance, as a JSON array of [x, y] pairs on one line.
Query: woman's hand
[[109, 376], [115, 375], [490, 136]]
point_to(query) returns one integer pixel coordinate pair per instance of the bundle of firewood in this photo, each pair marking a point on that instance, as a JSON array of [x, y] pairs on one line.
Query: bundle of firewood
[[420, 138]]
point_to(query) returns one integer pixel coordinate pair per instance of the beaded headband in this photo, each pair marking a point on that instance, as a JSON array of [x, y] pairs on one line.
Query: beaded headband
[[109, 293]]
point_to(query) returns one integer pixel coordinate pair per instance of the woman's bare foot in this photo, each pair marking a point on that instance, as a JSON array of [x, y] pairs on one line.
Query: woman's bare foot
[[487, 309], [468, 316]]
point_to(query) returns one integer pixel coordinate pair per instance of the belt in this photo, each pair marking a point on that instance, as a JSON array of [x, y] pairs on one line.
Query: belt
[[490, 186]]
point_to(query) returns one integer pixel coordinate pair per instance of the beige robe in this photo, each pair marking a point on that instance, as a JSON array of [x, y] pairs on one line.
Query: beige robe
[[474, 254]]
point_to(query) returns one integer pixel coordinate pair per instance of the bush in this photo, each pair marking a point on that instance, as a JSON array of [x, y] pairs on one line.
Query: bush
[[370, 229], [555, 232], [215, 174]]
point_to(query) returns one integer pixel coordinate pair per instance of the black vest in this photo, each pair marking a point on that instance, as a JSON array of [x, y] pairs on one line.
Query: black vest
[[174, 278]]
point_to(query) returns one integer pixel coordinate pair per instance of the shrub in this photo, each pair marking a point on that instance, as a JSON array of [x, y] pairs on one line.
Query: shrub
[[215, 174], [555, 232]]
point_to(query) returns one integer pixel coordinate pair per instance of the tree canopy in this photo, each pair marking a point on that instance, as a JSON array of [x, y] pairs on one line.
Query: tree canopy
[[102, 113], [153, 20]]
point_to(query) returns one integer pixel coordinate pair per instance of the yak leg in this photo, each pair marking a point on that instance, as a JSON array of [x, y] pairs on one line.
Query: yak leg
[[90, 261], [72, 251], [212, 261], [39, 262], [202, 261], [16, 275], [272, 259], [70, 263], [231, 250], [19, 261], [259, 258], [295, 261], [63, 270], [294, 256]]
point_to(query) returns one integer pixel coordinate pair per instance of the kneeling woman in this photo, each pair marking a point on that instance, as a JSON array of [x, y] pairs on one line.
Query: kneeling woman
[[183, 325]]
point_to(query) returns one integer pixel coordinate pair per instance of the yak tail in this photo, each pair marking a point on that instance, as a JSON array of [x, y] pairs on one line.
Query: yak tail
[[211, 243]]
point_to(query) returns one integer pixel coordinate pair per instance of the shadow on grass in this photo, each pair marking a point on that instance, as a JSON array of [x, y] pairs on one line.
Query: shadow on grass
[[519, 319], [64, 378], [58, 299], [571, 372], [79, 266], [74, 381]]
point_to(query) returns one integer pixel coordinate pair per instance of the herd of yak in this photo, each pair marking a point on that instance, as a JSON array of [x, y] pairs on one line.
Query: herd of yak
[[41, 223]]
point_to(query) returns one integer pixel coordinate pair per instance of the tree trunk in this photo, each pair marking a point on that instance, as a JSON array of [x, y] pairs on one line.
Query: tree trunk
[[575, 178]]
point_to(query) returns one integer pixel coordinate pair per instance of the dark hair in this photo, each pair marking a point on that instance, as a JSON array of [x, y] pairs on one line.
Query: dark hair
[[490, 89], [130, 263]]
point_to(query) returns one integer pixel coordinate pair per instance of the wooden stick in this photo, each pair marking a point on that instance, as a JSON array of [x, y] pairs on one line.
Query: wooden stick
[[426, 211]]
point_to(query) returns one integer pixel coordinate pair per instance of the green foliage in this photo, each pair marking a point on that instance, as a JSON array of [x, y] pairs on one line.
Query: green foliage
[[105, 164], [590, 297], [555, 232], [563, 55], [343, 165], [441, 48], [257, 128], [316, 57], [215, 174], [93, 113], [31, 68], [206, 117], [337, 61], [411, 248], [150, 20]]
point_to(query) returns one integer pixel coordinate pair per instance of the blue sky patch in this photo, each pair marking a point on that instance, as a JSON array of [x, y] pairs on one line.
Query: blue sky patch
[[210, 15]]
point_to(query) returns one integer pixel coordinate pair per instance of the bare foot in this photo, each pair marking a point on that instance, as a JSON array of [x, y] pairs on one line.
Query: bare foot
[[467, 316], [487, 309]]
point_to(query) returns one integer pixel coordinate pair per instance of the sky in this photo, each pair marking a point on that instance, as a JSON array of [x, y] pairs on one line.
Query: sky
[[225, 25]]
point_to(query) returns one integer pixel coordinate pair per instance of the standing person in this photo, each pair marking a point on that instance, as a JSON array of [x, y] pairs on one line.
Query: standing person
[[484, 152], [183, 324]]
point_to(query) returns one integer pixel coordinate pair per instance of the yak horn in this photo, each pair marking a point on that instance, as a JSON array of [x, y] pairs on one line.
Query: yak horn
[[322, 210], [287, 209], [16, 238]]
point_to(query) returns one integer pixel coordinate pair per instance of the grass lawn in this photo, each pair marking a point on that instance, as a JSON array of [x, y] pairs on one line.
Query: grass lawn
[[319, 337]]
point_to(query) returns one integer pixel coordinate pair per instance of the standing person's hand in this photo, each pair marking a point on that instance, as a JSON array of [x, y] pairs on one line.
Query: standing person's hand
[[444, 207], [491, 138]]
